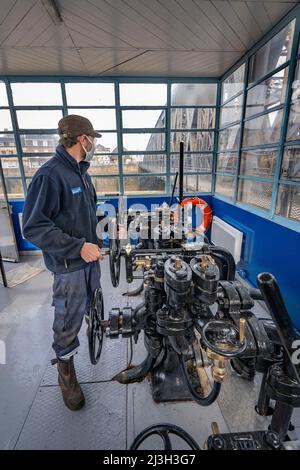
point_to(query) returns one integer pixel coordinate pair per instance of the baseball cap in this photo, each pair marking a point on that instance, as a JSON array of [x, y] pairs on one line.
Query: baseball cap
[[74, 125]]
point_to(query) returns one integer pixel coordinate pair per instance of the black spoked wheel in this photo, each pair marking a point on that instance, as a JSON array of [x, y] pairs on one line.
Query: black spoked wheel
[[114, 254], [95, 329], [202, 390], [164, 430]]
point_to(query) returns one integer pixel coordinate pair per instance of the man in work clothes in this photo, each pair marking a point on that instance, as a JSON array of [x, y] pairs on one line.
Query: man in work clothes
[[60, 218]]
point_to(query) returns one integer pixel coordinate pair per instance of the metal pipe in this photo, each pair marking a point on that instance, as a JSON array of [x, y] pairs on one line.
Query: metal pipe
[[3, 271], [173, 190], [181, 167], [281, 419], [227, 256], [134, 292], [255, 294], [136, 373], [203, 401], [263, 404]]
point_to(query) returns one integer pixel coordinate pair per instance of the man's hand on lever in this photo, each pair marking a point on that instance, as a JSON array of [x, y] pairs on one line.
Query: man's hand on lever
[[90, 252]]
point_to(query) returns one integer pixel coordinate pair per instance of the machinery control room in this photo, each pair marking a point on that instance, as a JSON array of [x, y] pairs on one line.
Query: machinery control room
[[149, 226]]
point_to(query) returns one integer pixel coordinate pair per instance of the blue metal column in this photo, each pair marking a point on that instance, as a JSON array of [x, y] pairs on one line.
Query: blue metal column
[[64, 97], [239, 153], [119, 137], [293, 62], [16, 134], [216, 136], [168, 141]]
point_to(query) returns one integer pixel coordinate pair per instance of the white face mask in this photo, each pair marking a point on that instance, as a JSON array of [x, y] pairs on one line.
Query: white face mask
[[89, 153]]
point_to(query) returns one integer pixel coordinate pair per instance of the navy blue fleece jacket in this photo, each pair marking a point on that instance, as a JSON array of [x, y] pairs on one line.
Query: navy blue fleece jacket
[[60, 211]]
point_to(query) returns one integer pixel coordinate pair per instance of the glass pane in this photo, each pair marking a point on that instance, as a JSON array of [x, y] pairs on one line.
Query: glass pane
[[255, 193], [39, 143], [288, 202], [3, 95], [11, 167], [197, 184], [193, 94], [36, 94], [143, 118], [32, 164], [267, 94], [5, 120], [1, 191], [193, 163], [14, 188], [233, 84], [290, 169], [193, 184], [104, 165], [231, 111], [143, 141], [7, 144], [193, 118], [273, 54], [293, 130], [229, 138], [144, 184], [144, 163], [193, 141], [102, 119], [225, 185], [34, 119], [143, 94], [90, 94], [227, 162], [263, 129], [108, 143], [105, 186], [259, 163]]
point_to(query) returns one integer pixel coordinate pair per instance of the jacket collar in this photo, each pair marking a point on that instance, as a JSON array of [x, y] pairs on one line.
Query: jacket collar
[[68, 160]]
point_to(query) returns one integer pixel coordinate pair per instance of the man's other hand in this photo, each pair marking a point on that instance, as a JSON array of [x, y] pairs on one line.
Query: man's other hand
[[90, 252]]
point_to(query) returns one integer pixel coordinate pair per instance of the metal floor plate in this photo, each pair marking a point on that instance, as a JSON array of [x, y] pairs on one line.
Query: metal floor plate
[[237, 401], [193, 418], [113, 359], [101, 424], [114, 414]]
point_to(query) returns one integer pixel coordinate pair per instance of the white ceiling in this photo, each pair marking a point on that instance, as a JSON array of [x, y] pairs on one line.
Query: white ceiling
[[132, 37]]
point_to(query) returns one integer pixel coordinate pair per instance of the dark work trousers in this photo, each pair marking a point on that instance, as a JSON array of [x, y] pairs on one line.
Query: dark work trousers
[[72, 295]]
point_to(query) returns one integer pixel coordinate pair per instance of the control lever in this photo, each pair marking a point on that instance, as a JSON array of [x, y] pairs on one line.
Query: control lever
[[224, 338], [275, 303]]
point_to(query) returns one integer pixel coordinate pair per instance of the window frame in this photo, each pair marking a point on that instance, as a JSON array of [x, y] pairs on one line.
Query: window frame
[[66, 108], [276, 180]]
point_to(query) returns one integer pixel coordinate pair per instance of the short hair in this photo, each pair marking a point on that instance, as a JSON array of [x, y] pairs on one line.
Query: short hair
[[67, 142]]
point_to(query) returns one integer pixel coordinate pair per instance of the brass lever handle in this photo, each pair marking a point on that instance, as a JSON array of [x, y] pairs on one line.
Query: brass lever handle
[[242, 330], [215, 428]]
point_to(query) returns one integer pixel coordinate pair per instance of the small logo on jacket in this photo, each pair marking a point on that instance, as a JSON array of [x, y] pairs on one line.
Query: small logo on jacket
[[76, 190]]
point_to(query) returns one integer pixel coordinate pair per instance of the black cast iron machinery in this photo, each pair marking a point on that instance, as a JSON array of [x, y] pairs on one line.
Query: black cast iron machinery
[[194, 318]]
